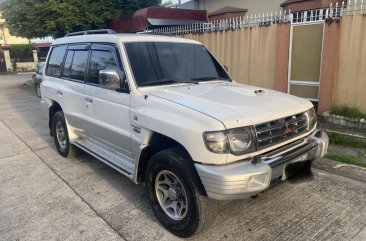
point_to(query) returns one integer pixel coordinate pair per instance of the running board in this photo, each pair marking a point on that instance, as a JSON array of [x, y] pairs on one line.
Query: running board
[[112, 158]]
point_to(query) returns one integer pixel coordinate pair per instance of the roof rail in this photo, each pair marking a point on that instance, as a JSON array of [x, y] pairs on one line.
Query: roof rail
[[97, 31]]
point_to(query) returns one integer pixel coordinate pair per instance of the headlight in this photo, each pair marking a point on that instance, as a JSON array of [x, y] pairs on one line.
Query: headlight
[[237, 141], [216, 141], [240, 140], [312, 118]]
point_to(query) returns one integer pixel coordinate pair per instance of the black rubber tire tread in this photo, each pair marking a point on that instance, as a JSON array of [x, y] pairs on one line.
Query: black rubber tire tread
[[35, 89], [70, 151], [204, 210]]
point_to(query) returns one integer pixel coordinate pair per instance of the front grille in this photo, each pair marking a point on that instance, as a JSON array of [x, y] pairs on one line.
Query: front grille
[[276, 131]]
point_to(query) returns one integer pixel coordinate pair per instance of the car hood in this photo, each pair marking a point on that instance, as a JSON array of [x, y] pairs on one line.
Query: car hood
[[232, 103]]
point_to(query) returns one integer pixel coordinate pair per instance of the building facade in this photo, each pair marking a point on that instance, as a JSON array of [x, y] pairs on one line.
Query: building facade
[[6, 38], [14, 61]]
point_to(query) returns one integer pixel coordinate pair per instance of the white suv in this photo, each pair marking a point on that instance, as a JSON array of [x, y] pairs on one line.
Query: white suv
[[164, 112]]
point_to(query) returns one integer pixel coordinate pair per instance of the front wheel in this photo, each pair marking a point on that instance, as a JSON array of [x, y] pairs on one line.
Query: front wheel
[[174, 195]]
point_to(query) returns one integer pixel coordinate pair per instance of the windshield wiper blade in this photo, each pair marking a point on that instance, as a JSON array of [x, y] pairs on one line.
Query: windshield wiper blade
[[208, 78]]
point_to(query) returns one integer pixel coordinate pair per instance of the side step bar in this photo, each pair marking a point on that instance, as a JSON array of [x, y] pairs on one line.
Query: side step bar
[[110, 157]]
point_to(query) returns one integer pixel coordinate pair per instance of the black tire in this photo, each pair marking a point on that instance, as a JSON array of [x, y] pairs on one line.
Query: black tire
[[37, 89], [201, 211], [66, 149]]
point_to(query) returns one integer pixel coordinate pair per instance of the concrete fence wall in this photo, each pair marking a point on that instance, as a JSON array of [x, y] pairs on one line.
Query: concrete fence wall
[[350, 81], [21, 66], [343, 72]]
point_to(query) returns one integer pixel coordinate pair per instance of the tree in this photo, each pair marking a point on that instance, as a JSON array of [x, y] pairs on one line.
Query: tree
[[167, 3], [40, 18]]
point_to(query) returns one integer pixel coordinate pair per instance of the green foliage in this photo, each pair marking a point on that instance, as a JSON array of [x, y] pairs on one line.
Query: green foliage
[[14, 65], [40, 18], [353, 160], [22, 48], [346, 111], [167, 3], [342, 140]]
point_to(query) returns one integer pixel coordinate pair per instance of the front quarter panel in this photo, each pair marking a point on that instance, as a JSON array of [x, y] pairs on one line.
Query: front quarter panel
[[151, 114]]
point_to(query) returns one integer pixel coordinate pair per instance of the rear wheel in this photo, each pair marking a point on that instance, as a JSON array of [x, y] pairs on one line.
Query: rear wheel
[[61, 136], [174, 195]]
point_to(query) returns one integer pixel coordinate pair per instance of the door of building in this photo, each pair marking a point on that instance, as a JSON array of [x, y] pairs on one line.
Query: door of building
[[305, 59]]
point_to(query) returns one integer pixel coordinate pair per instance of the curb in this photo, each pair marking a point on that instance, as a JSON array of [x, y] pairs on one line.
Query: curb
[[341, 169]]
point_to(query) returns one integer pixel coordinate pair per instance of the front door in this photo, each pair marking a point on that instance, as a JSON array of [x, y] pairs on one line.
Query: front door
[[108, 109]]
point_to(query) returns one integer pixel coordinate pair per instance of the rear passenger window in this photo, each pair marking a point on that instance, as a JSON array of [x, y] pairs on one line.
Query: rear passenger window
[[78, 66], [67, 65], [55, 61], [100, 60]]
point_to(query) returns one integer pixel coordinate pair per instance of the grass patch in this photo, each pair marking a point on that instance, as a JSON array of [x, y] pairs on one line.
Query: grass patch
[[346, 111], [342, 140], [353, 160]]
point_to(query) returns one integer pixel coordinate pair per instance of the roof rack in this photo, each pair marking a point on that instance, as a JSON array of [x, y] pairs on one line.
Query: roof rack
[[97, 31]]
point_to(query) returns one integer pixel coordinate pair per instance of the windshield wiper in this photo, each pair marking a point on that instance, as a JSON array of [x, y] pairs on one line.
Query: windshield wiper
[[209, 78], [164, 81]]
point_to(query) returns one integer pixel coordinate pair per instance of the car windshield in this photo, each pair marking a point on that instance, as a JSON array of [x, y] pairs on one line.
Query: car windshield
[[159, 63]]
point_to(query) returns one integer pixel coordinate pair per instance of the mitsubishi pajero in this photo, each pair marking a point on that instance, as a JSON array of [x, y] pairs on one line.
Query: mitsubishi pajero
[[165, 113]]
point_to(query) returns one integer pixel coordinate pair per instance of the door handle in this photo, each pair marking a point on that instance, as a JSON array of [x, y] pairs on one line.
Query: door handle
[[89, 99], [59, 93]]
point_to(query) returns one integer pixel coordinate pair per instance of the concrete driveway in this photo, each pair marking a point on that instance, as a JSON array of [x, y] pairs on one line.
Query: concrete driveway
[[46, 197]]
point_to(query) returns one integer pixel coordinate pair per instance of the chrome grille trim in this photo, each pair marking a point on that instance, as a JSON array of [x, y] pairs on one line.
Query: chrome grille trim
[[280, 130]]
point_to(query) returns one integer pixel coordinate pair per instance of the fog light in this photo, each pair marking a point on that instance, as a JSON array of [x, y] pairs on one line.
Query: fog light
[[258, 181]]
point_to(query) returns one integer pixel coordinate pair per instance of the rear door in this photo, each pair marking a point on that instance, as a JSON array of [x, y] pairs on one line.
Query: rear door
[[66, 89], [73, 76], [53, 84], [108, 109]]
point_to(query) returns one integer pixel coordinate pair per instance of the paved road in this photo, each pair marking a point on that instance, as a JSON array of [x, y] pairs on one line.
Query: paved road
[[46, 197]]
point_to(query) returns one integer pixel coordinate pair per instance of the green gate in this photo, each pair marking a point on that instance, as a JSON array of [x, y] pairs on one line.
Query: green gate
[[305, 60]]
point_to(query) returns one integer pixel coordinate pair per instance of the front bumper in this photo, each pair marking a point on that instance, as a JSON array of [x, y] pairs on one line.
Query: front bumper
[[245, 178]]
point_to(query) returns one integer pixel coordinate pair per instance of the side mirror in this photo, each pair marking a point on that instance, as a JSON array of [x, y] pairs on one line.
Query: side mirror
[[110, 79], [226, 68]]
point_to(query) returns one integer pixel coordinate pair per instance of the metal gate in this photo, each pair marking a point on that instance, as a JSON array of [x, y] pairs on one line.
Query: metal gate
[[306, 48]]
